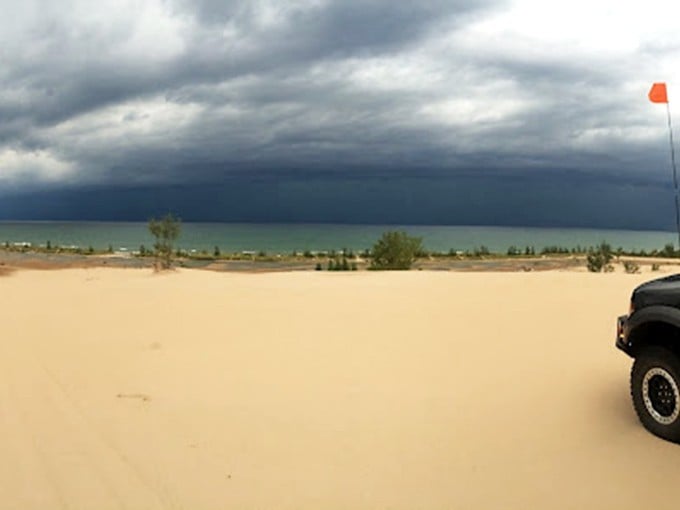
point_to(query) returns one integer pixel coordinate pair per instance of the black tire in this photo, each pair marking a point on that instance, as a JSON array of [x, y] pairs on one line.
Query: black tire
[[655, 388]]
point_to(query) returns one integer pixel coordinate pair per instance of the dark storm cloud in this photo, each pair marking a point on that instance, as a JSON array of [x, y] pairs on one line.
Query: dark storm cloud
[[63, 71], [559, 200], [334, 27], [192, 93], [64, 67]]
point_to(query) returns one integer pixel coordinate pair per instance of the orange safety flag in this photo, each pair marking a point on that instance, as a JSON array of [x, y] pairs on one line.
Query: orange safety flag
[[657, 94]]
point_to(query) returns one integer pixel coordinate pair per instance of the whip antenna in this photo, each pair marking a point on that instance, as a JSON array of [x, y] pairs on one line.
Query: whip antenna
[[658, 94]]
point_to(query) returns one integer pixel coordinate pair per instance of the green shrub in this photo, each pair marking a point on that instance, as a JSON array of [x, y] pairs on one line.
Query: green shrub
[[318, 267], [395, 250], [655, 267], [599, 258], [217, 252], [631, 267], [166, 231], [668, 251], [554, 250]]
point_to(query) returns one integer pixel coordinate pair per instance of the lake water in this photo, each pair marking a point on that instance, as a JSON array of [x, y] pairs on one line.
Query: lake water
[[285, 238]]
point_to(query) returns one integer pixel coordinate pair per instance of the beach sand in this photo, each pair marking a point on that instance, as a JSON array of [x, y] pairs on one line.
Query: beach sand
[[304, 390]]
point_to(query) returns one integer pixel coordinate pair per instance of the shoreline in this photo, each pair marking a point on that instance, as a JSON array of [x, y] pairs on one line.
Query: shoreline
[[202, 238], [12, 261]]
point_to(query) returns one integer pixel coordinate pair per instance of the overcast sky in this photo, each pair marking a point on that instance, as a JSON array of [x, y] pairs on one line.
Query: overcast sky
[[458, 111]]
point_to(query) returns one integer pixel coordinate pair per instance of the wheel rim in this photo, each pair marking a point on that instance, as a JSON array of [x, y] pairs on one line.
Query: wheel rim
[[661, 396]]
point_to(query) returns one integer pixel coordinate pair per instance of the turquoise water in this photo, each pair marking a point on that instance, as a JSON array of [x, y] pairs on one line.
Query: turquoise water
[[285, 238]]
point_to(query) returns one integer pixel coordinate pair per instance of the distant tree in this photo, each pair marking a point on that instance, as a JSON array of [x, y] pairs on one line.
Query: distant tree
[[599, 258], [49, 245], [217, 252], [395, 250], [166, 230], [481, 251], [668, 251]]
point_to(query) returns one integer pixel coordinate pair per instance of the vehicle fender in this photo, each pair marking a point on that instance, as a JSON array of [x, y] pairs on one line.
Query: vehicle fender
[[656, 313]]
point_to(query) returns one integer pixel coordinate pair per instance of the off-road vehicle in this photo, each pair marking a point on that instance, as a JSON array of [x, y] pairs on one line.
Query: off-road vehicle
[[650, 334]]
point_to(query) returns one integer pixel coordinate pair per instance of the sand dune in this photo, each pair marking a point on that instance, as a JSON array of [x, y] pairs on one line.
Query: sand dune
[[197, 390]]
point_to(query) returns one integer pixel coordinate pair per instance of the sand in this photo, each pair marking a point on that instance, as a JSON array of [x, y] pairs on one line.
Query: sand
[[199, 390]]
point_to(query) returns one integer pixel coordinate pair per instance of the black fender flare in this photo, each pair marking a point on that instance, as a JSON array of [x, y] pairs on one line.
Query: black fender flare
[[651, 314]]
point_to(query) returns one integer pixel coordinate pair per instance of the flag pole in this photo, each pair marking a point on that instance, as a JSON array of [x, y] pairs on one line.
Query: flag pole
[[675, 172]]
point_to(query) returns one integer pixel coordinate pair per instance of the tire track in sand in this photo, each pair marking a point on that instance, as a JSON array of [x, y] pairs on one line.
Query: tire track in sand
[[54, 457]]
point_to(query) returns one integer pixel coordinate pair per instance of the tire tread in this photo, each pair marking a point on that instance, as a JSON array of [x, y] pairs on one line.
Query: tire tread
[[669, 361]]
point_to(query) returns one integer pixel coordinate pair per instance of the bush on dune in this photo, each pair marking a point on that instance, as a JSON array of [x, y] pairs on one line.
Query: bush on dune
[[166, 231], [599, 258], [395, 250]]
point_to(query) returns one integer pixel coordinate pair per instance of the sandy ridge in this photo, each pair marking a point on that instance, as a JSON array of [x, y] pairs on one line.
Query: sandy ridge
[[321, 390]]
